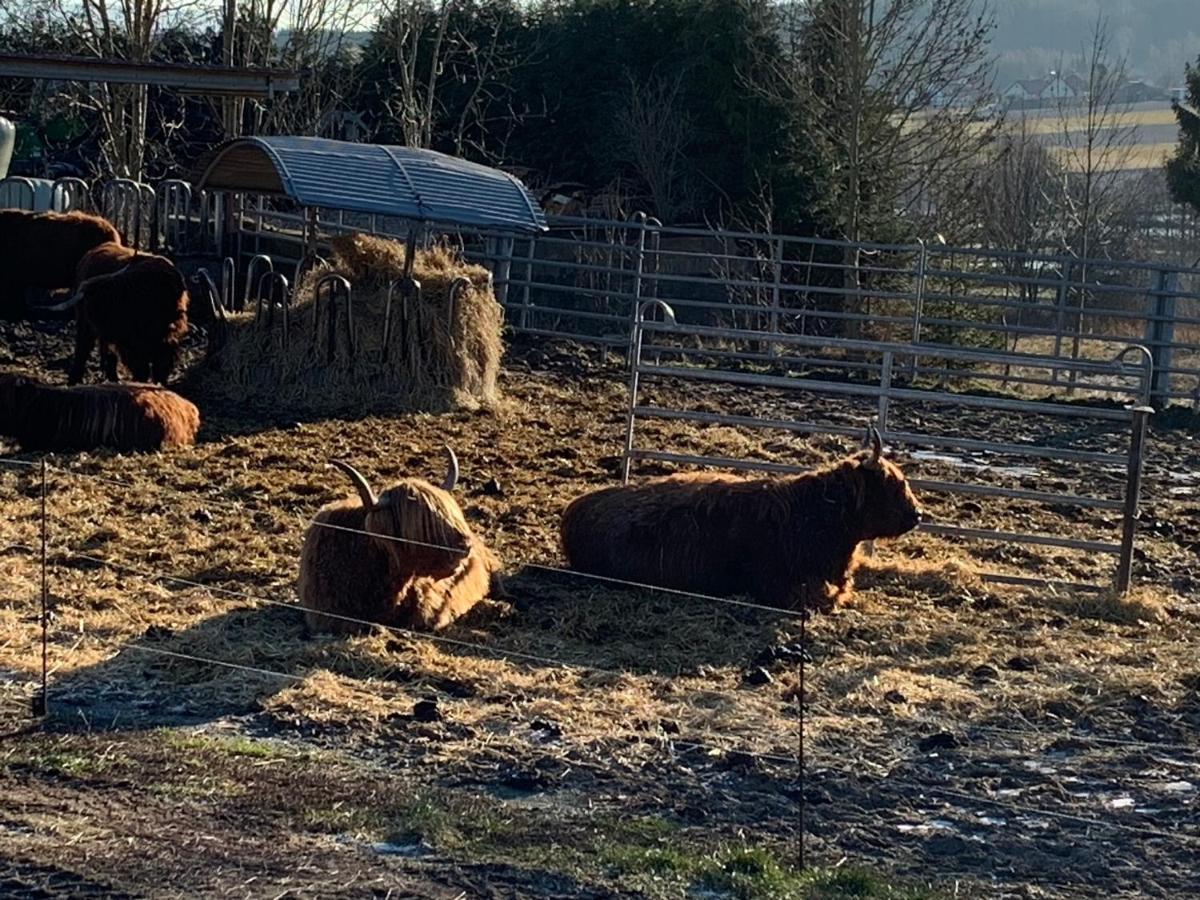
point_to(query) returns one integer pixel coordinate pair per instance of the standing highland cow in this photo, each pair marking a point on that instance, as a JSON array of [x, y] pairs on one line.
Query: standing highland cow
[[785, 541], [379, 558], [137, 312], [42, 250]]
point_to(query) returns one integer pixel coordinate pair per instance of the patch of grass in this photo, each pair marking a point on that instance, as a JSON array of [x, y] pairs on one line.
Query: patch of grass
[[204, 788], [345, 818], [752, 873], [849, 882], [231, 746], [62, 759], [651, 860]]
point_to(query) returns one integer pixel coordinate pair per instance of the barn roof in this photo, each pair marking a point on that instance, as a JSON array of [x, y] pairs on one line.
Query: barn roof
[[404, 182]]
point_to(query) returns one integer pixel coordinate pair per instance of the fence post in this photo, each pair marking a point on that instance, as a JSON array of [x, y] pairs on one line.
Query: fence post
[[1160, 335], [639, 264], [1133, 490], [504, 254], [526, 302], [885, 386], [41, 703], [776, 290], [1060, 322], [918, 303], [635, 353]]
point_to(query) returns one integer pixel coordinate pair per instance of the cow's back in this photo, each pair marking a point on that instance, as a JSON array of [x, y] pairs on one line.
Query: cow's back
[[681, 532]]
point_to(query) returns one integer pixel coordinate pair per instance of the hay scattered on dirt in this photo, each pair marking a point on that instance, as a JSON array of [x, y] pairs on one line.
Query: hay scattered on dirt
[[438, 356], [1146, 603]]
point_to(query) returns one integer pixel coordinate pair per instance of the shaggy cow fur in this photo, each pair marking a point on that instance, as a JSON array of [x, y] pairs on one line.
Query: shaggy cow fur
[[785, 541], [42, 250], [135, 306], [124, 417], [373, 578]]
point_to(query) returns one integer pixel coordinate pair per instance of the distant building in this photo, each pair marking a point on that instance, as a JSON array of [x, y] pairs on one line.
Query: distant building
[[1024, 91], [1138, 92], [1032, 93]]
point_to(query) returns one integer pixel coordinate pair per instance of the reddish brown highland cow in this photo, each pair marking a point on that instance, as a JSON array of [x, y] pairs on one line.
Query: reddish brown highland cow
[[41, 250], [135, 306], [377, 559], [122, 417], [784, 541]]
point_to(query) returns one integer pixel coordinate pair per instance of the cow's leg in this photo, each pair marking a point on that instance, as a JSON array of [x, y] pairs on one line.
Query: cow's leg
[[14, 301], [139, 369], [85, 339], [108, 362], [164, 362]]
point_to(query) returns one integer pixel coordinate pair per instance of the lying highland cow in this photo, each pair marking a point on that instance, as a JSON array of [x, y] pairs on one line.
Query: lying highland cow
[[122, 417], [135, 306], [374, 577], [41, 250], [784, 541]]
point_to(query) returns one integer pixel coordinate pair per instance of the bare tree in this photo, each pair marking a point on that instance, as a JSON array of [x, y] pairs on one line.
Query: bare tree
[[484, 57], [416, 34], [893, 93], [1017, 191], [1097, 139], [656, 131], [122, 29], [308, 36], [452, 64], [1017, 207]]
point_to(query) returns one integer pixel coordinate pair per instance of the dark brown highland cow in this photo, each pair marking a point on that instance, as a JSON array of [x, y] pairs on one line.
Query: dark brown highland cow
[[784, 541], [135, 306], [377, 558], [42, 250], [123, 417]]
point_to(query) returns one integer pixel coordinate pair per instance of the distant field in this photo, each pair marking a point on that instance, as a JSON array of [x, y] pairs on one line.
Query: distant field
[[1154, 126], [1138, 158], [1050, 124]]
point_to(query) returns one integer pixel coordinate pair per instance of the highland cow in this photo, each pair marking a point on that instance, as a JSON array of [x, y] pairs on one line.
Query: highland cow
[[42, 250], [381, 559], [786, 542], [124, 417], [135, 306]]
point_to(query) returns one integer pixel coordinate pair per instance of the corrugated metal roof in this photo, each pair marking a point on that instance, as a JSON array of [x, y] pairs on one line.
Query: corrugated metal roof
[[404, 182]]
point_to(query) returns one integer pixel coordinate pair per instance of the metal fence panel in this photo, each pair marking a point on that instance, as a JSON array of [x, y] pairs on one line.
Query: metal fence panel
[[1110, 415]]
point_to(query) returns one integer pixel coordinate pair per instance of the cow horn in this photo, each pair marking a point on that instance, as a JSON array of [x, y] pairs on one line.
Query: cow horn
[[876, 443], [100, 279], [364, 489], [451, 470], [66, 304]]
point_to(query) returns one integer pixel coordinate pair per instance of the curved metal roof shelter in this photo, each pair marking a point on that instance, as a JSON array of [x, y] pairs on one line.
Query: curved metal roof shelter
[[421, 185]]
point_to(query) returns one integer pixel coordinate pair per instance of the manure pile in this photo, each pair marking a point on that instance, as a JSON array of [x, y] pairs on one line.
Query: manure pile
[[438, 357]]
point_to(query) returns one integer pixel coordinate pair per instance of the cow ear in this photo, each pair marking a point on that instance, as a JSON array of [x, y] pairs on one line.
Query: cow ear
[[856, 489]]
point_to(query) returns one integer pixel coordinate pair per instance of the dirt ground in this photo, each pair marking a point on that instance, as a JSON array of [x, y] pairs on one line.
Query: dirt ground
[[959, 739]]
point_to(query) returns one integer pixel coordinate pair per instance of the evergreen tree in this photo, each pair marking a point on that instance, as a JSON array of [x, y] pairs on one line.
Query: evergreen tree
[[1183, 169]]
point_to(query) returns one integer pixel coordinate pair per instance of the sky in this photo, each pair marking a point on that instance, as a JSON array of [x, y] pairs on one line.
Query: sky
[[1156, 36]]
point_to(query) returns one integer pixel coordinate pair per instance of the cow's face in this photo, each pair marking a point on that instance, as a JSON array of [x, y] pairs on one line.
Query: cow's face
[[890, 507]]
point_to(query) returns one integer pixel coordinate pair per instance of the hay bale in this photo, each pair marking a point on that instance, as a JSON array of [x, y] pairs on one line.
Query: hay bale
[[438, 359]]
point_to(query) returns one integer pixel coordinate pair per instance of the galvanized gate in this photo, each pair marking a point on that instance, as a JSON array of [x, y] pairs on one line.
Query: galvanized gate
[[821, 386]]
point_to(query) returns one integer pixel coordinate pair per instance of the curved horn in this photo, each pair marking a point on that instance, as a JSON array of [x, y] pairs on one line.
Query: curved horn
[[876, 443], [66, 304], [364, 489], [100, 279], [451, 470]]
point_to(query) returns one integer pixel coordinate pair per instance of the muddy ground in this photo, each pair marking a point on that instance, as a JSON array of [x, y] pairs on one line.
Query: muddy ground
[[960, 738]]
